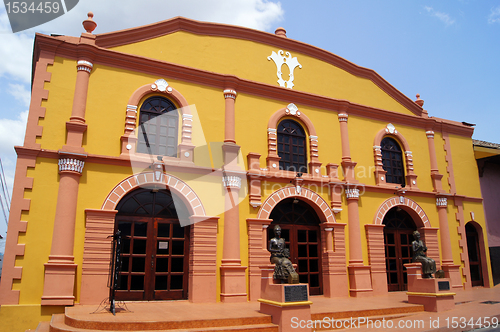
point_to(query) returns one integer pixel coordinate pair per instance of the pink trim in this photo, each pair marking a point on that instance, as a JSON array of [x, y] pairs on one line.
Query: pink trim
[[272, 136], [317, 203], [376, 257], [38, 94], [333, 256], [11, 272], [254, 191], [176, 185], [26, 157], [462, 242], [257, 254], [99, 225], [408, 157], [449, 163], [132, 112], [410, 206]]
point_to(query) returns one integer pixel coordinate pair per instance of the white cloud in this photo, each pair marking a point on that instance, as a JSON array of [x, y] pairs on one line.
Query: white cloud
[[256, 14], [20, 93], [443, 17], [15, 52], [16, 49], [494, 15], [12, 132]]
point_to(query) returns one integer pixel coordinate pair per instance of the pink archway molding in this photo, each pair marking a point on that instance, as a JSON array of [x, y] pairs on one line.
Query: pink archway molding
[[176, 185], [407, 204], [317, 203]]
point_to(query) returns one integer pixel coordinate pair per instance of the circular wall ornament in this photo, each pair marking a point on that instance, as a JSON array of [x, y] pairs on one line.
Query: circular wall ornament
[[129, 146], [186, 154]]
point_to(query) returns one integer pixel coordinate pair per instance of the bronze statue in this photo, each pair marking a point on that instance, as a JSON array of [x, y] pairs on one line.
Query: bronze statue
[[280, 256], [420, 256]]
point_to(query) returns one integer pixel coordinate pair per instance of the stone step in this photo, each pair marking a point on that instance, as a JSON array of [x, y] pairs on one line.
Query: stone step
[[369, 312], [58, 324]]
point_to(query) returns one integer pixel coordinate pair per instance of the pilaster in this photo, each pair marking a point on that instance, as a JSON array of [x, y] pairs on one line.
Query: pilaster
[[451, 270], [233, 279], [60, 270], [335, 280], [360, 283], [436, 177]]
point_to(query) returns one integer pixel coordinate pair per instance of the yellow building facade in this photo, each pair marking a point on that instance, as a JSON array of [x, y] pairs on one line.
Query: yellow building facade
[[194, 140]]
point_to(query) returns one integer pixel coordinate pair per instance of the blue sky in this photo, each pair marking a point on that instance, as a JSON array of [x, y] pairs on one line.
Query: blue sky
[[447, 51]]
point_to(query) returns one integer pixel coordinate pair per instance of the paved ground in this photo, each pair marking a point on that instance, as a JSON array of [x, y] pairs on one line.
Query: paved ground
[[471, 313], [476, 309]]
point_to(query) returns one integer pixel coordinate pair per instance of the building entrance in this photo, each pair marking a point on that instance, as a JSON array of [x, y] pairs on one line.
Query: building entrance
[[398, 236], [474, 255], [155, 248], [300, 228]]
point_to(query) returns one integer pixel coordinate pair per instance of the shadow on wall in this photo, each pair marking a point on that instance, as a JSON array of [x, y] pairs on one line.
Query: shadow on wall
[[495, 264]]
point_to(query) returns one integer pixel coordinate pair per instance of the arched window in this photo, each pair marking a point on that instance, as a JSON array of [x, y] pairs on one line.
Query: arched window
[[392, 161], [158, 127], [292, 146]]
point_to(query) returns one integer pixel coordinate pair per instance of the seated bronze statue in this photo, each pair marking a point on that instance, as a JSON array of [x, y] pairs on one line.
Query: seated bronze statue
[[420, 256], [280, 256]]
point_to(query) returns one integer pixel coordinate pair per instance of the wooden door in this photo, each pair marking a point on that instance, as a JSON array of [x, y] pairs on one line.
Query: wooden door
[[155, 248], [398, 238], [300, 228]]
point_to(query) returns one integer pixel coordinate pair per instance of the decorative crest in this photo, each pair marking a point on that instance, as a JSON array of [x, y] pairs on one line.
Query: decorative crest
[[280, 59]]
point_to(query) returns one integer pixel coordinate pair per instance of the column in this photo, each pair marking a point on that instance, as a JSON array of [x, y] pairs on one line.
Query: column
[[347, 164], [229, 130], [436, 177], [360, 284], [60, 270], [451, 270], [233, 279]]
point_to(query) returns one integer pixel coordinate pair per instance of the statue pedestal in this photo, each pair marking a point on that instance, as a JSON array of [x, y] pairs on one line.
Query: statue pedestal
[[284, 302], [433, 293]]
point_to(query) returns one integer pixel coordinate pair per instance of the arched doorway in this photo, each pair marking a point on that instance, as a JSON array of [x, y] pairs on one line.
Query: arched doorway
[[155, 248], [398, 236], [474, 255], [300, 229]]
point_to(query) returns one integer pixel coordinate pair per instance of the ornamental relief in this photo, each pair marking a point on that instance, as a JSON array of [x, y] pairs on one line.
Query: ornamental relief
[[280, 60]]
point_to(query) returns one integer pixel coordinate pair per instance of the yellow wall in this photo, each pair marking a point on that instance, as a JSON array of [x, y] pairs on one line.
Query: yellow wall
[[248, 60], [108, 95]]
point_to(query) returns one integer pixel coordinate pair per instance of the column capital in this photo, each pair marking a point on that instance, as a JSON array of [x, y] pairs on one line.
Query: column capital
[[352, 193], [441, 201], [343, 117], [84, 65], [429, 133], [71, 165], [230, 93], [231, 181]]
